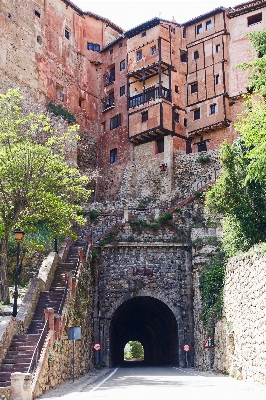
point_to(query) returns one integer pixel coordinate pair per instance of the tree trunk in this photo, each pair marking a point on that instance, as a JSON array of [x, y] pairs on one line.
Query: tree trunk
[[4, 291]]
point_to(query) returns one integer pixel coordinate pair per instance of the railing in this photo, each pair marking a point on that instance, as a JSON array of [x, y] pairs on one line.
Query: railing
[[149, 95], [108, 102], [38, 348]]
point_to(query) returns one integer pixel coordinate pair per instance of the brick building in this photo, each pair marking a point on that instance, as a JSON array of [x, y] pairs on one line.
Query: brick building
[[169, 86]]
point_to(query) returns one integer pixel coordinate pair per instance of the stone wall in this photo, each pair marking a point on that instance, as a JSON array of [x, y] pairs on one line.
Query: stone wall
[[240, 336]]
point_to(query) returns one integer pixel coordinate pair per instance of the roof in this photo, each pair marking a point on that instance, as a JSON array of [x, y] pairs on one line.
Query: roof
[[204, 16], [245, 8], [95, 16]]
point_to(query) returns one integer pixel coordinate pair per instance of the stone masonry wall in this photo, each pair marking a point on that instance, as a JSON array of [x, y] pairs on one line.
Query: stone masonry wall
[[241, 335]]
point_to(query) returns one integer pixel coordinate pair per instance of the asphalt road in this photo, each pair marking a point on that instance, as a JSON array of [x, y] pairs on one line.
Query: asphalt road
[[152, 383]]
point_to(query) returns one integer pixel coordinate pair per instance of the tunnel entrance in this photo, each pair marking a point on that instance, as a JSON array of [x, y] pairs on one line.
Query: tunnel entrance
[[150, 322]]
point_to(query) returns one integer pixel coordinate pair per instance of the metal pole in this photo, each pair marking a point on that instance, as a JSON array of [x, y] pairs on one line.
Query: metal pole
[[186, 359], [210, 353], [55, 245], [73, 360], [15, 305]]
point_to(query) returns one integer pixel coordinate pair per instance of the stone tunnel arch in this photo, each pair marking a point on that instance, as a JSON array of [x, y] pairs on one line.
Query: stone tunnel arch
[[149, 321]]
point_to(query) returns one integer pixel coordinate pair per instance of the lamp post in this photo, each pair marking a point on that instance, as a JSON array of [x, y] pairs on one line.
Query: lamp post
[[19, 236]]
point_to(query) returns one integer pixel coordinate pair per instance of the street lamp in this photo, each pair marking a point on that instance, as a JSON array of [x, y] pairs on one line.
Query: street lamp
[[19, 236]]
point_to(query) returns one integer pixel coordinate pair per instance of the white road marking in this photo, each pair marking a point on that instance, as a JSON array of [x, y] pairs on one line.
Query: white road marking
[[102, 382], [187, 372]]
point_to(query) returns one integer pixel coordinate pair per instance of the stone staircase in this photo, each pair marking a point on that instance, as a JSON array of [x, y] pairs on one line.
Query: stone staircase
[[22, 347]]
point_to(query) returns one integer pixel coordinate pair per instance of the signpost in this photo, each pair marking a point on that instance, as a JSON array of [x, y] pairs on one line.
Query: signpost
[[208, 344], [74, 333], [186, 349]]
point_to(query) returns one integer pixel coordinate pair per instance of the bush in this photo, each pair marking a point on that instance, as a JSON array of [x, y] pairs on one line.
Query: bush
[[60, 111], [165, 217]]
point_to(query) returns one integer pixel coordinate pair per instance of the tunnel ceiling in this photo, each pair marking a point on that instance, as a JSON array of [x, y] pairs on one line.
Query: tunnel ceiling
[[152, 323]]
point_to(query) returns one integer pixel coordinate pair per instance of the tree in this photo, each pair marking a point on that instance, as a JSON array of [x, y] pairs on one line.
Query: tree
[[36, 183]]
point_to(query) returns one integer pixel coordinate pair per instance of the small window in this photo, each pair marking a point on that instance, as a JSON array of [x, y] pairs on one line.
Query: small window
[[59, 92], [176, 89], [39, 39], [81, 102], [120, 44], [213, 108], [153, 50], [113, 156], [183, 57], [196, 114], [67, 33], [103, 127], [217, 79], [254, 19], [217, 48], [37, 13], [115, 122], [176, 117], [122, 90], [139, 55], [184, 32], [199, 29], [93, 46], [208, 25], [144, 116], [196, 55], [194, 87], [143, 34], [185, 122], [122, 65], [159, 146]]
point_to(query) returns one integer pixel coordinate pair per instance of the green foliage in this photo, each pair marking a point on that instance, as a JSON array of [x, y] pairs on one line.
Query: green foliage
[[212, 278], [165, 217], [239, 200], [93, 214], [198, 194], [204, 159], [36, 183], [177, 210], [133, 349], [257, 79], [60, 111]]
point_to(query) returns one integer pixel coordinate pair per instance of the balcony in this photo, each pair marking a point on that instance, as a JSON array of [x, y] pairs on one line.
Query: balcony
[[108, 102], [149, 95]]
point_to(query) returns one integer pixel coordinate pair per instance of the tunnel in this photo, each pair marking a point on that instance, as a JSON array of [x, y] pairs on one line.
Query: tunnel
[[152, 323]]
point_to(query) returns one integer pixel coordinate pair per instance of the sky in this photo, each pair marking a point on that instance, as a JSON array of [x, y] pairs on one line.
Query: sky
[[129, 13]]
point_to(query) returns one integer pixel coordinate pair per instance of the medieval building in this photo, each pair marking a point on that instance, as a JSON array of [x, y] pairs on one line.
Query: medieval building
[[148, 101]]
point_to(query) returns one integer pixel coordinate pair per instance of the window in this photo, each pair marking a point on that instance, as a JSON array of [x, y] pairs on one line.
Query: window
[[109, 101], [39, 39], [144, 116], [113, 156], [143, 34], [120, 44], [122, 90], [194, 87], [199, 29], [122, 65], [196, 55], [183, 57], [139, 55], [115, 122], [176, 89], [159, 146], [208, 25], [254, 19], [153, 50], [196, 114], [67, 33], [213, 108], [81, 102], [185, 122], [176, 117], [184, 32], [37, 13], [93, 46], [103, 127], [217, 48], [110, 76], [217, 79], [111, 51]]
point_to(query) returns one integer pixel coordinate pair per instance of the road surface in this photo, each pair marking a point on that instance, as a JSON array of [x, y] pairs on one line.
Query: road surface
[[152, 383]]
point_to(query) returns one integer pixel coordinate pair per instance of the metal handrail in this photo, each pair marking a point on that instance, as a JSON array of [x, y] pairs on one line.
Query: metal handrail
[[38, 348], [149, 95]]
